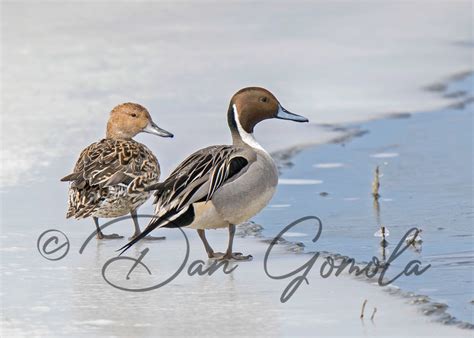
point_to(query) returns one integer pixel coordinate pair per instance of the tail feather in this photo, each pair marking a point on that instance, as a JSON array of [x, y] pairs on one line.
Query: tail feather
[[145, 232], [173, 219], [71, 177]]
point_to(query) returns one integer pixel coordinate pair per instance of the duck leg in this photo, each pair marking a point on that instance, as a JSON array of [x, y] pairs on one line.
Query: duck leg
[[210, 252], [228, 254], [100, 235], [137, 228], [234, 255]]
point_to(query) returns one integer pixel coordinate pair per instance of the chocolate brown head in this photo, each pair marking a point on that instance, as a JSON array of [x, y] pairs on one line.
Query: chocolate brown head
[[128, 119], [252, 105]]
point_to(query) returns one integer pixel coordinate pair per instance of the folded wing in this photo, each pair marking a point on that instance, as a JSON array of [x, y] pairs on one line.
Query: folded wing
[[105, 164], [196, 179]]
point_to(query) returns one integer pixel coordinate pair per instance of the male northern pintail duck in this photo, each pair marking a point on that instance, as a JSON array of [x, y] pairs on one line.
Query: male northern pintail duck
[[111, 175], [221, 186]]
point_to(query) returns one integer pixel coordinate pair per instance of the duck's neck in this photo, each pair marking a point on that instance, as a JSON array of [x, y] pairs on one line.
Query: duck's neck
[[240, 137], [115, 133], [117, 136]]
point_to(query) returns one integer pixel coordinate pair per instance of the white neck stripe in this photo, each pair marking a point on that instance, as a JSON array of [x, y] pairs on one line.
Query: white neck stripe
[[246, 137]]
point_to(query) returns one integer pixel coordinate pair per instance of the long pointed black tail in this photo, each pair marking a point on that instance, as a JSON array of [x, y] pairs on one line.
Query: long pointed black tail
[[145, 232], [171, 219]]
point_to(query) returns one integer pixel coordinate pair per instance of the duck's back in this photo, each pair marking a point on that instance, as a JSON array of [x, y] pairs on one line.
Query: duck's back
[[109, 179]]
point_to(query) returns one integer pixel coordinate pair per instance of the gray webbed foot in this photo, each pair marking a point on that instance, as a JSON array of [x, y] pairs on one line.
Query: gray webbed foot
[[215, 255], [111, 236], [237, 256]]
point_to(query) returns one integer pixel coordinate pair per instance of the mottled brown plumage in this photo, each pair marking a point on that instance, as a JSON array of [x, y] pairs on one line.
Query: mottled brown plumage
[[110, 176]]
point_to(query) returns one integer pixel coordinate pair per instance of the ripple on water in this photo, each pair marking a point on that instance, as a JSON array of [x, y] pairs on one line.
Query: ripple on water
[[298, 181], [328, 165], [279, 205], [384, 155], [41, 308], [97, 322], [295, 234]]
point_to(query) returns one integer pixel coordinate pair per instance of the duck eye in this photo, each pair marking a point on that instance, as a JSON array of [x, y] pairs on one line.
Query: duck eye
[[263, 99], [133, 115]]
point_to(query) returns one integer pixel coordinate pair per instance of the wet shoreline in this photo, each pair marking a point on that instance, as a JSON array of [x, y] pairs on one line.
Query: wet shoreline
[[377, 142]]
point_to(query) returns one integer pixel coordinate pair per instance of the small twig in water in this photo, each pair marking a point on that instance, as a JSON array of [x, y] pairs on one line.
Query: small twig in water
[[382, 232], [376, 184], [363, 309], [373, 314]]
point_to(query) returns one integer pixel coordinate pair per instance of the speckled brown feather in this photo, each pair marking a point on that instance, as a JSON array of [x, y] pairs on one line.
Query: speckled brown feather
[[110, 177]]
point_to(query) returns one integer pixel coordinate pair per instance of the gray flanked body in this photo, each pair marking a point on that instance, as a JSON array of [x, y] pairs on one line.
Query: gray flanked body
[[241, 198], [222, 186]]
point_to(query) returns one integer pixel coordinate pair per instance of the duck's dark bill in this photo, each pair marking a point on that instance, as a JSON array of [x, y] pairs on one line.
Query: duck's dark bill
[[286, 115], [152, 128]]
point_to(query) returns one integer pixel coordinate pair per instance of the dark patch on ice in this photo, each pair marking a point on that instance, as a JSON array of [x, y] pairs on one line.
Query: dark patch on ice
[[356, 132], [464, 43], [455, 94], [396, 116], [462, 104], [443, 86], [283, 158], [460, 76], [253, 229], [436, 87], [249, 229]]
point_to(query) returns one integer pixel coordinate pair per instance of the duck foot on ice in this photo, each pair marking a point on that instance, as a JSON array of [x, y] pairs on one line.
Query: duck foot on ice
[[100, 235], [238, 256]]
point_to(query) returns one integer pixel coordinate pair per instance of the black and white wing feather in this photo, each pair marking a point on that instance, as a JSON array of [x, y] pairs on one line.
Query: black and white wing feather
[[196, 179]]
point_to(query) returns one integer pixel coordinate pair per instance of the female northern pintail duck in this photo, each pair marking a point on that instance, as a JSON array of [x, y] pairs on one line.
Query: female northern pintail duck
[[111, 175], [221, 186]]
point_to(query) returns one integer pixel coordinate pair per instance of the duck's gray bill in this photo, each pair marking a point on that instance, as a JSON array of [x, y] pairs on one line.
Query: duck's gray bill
[[152, 128], [286, 115]]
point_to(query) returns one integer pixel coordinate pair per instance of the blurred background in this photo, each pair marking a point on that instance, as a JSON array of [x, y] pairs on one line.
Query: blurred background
[[65, 65]]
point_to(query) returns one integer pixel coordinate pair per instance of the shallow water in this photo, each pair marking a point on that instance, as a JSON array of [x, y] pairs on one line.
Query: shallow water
[[426, 181]]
